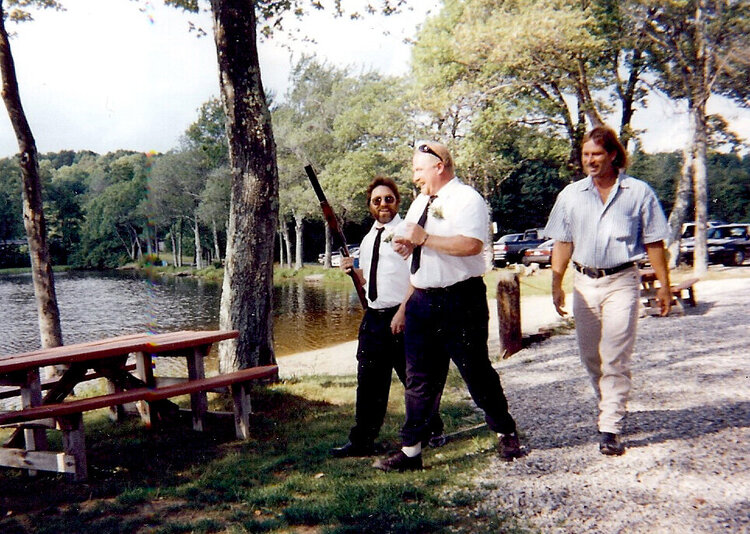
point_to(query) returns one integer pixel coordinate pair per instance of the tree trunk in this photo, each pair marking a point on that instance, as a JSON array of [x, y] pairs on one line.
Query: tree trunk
[[682, 197], [327, 257], [174, 244], [215, 231], [198, 248], [700, 94], [281, 248], [149, 247], [287, 244], [48, 313], [700, 194], [298, 224], [246, 300], [179, 242]]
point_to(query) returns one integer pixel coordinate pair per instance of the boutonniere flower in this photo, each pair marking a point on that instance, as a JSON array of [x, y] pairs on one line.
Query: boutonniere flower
[[436, 211], [388, 236]]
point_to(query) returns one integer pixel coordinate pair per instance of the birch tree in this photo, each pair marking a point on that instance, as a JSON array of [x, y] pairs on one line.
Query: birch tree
[[699, 49], [48, 313]]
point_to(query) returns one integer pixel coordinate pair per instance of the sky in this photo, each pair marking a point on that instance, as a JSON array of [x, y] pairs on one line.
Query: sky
[[118, 74]]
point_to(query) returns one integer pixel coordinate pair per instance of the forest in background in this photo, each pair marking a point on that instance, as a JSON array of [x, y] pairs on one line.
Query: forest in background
[[510, 86]]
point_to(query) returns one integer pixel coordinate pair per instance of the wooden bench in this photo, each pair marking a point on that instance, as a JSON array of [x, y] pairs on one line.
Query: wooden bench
[[68, 416], [683, 295], [686, 286]]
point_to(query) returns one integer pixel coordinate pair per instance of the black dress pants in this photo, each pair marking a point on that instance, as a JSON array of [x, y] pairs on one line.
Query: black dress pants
[[450, 324], [379, 353]]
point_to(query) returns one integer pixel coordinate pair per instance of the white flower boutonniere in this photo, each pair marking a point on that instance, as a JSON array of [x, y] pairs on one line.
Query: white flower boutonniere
[[388, 236], [436, 211]]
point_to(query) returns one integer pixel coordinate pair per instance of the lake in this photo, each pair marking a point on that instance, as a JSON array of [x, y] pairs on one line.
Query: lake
[[95, 305]]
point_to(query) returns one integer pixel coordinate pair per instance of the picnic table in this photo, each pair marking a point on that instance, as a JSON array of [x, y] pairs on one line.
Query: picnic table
[[682, 293], [129, 383]]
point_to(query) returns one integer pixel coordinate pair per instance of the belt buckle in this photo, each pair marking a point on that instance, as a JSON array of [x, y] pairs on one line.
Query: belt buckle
[[591, 272]]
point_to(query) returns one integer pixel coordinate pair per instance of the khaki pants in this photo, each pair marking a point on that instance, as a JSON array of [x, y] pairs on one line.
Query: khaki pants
[[606, 314]]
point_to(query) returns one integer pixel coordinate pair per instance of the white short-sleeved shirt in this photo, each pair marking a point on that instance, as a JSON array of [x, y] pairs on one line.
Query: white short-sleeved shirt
[[607, 234], [458, 210], [393, 270]]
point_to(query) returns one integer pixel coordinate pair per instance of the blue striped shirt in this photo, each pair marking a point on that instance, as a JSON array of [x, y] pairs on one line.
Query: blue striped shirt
[[607, 234]]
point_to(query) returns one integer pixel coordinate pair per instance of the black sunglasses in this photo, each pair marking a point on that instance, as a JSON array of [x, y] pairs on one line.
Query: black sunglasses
[[388, 199], [427, 150]]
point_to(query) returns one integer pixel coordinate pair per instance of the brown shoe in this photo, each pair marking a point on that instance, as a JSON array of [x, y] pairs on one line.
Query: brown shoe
[[509, 447], [399, 462], [609, 445]]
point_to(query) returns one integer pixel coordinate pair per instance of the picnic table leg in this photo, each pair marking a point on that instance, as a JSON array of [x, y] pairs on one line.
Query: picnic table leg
[[198, 400], [124, 380], [242, 409], [74, 443], [62, 389], [31, 395], [145, 371]]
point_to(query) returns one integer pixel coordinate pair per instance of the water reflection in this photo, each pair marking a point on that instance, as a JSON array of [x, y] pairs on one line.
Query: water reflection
[[97, 305]]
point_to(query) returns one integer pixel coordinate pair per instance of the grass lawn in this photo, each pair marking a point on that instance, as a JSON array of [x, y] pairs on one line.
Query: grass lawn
[[283, 480]]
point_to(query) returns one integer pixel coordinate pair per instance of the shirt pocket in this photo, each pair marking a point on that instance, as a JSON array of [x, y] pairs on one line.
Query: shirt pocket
[[626, 228]]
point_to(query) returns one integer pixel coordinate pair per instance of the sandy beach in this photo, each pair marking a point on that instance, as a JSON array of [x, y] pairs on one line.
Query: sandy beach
[[536, 313]]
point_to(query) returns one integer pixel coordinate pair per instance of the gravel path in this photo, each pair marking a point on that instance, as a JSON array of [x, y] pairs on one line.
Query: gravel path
[[686, 468]]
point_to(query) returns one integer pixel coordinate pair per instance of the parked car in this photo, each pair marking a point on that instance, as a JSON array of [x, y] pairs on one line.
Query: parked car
[[336, 256], [688, 229], [541, 255], [728, 244], [510, 248]]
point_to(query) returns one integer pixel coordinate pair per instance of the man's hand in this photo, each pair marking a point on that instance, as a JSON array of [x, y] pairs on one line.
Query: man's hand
[[410, 236], [347, 264], [558, 299], [664, 295], [402, 247], [399, 320]]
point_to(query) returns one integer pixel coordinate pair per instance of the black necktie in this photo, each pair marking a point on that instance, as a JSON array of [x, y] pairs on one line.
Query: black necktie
[[416, 254], [372, 286]]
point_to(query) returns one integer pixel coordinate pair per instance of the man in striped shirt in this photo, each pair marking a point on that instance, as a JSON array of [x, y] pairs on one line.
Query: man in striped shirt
[[603, 223]]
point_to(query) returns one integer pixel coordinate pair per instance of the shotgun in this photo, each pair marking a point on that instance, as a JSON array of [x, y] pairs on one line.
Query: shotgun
[[338, 235]]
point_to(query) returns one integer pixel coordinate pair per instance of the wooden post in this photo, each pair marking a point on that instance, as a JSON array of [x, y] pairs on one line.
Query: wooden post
[[509, 313]]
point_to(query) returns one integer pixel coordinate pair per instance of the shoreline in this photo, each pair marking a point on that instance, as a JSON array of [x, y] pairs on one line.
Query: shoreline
[[537, 313]]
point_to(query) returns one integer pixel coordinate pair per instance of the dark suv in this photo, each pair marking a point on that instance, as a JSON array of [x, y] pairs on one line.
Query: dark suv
[[728, 244]]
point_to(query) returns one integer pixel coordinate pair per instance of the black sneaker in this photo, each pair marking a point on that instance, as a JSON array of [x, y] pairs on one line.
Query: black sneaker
[[610, 445], [509, 447], [399, 462], [352, 450]]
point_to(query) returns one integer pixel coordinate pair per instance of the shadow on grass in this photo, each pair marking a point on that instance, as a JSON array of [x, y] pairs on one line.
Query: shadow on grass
[[177, 480]]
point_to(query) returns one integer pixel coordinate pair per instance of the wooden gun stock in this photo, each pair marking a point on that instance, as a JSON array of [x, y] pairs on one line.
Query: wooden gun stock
[[338, 235]]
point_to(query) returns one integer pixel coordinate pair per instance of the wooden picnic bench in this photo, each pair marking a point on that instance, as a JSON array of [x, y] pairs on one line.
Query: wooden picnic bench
[[108, 358], [682, 293]]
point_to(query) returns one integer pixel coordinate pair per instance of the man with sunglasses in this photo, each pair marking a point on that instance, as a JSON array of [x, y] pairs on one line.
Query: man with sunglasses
[[446, 317], [385, 277]]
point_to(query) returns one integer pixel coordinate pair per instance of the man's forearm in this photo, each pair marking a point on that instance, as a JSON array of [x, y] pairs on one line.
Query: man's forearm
[[658, 259], [561, 254], [457, 245]]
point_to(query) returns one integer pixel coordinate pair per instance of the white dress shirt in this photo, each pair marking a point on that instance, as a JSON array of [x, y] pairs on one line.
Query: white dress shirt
[[393, 270], [458, 210]]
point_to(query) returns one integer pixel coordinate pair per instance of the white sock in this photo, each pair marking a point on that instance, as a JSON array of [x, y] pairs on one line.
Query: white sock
[[414, 450]]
